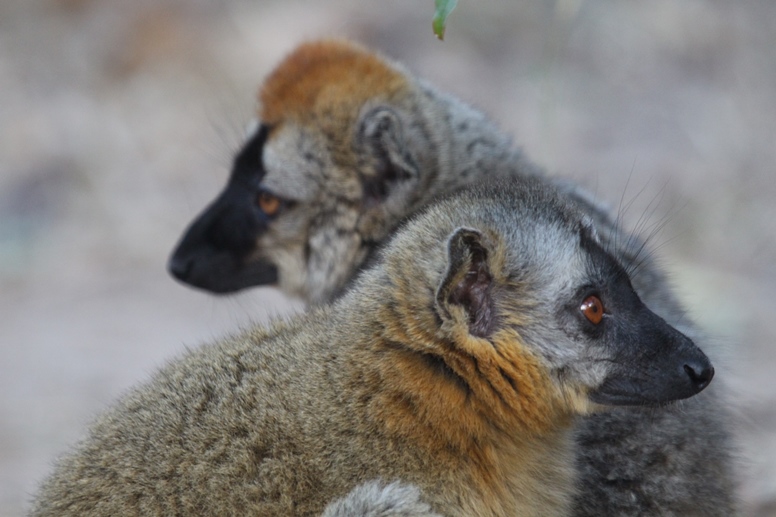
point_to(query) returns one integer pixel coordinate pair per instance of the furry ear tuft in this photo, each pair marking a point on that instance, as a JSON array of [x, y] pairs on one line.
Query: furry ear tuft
[[380, 135], [468, 281]]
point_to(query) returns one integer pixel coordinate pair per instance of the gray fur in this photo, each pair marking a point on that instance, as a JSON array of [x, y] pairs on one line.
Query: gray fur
[[375, 499], [676, 460]]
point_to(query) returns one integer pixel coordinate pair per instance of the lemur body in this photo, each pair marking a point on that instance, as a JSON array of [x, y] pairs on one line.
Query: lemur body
[[455, 365], [350, 144]]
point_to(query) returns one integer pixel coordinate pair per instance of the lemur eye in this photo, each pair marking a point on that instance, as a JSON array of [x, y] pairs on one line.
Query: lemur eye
[[268, 203], [593, 309]]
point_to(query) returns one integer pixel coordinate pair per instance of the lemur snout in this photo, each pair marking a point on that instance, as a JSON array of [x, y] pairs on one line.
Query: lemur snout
[[700, 372], [179, 267]]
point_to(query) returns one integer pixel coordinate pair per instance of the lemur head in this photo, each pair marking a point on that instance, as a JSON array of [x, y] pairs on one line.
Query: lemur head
[[521, 292], [321, 179]]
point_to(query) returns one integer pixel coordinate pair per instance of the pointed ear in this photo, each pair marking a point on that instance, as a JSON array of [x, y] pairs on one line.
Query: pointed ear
[[381, 139], [467, 281]]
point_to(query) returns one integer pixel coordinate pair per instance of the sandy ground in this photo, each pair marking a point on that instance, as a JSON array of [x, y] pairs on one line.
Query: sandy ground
[[118, 119]]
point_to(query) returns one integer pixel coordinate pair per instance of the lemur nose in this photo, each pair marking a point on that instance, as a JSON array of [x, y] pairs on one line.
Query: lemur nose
[[179, 267], [700, 373]]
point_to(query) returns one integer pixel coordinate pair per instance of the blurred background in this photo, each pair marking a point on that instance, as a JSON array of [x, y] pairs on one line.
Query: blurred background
[[118, 121]]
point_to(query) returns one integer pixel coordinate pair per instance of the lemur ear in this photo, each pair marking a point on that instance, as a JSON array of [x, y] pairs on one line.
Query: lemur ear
[[381, 137], [467, 281]]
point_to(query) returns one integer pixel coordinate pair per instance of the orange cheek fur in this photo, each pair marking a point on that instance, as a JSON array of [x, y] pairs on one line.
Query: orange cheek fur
[[496, 382], [469, 405], [468, 388]]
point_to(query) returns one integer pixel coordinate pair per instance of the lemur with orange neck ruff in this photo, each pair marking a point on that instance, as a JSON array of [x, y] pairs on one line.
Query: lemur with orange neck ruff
[[348, 144], [457, 364]]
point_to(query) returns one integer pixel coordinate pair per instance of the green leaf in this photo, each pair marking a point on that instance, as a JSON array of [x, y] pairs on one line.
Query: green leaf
[[443, 10]]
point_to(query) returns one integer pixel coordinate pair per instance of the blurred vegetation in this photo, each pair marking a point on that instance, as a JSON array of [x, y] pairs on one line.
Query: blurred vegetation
[[443, 10]]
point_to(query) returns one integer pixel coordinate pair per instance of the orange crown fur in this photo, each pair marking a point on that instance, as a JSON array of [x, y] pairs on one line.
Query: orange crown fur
[[331, 78]]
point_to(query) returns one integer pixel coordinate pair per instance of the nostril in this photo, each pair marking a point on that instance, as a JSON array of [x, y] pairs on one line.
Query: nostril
[[700, 374], [179, 268]]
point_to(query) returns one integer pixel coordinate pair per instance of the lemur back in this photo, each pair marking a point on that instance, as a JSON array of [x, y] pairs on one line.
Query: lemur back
[[340, 160], [456, 365]]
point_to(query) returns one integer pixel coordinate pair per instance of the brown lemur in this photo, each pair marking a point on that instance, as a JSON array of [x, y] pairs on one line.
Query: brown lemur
[[457, 365], [347, 145]]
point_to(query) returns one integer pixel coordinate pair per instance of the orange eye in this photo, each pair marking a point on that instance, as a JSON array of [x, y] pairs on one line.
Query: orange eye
[[268, 203], [593, 309]]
